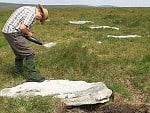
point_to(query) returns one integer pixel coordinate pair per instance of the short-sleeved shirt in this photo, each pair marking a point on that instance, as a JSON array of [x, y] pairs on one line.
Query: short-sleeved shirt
[[25, 15]]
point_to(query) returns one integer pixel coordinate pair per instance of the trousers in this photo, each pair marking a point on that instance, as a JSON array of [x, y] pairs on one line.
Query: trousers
[[18, 44]]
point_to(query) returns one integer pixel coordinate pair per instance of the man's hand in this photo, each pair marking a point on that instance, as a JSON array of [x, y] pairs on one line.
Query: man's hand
[[25, 30], [30, 34]]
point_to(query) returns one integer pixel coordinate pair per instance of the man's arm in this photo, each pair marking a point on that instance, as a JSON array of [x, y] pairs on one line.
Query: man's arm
[[28, 34], [24, 29]]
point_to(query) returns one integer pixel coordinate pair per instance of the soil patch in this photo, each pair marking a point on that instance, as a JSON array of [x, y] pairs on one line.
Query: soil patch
[[110, 108]]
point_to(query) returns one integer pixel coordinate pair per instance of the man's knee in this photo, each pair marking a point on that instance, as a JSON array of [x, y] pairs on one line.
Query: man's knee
[[30, 56]]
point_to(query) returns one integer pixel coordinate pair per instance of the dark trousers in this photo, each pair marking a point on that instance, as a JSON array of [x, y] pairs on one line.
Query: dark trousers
[[18, 44]]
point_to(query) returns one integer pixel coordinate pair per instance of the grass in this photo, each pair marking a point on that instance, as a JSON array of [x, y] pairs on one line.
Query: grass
[[29, 105], [122, 64]]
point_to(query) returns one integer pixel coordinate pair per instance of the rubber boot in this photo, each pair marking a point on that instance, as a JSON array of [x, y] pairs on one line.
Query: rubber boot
[[32, 73], [18, 67]]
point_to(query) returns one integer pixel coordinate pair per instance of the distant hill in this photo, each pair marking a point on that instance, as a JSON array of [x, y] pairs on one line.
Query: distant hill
[[9, 5], [106, 6], [14, 6]]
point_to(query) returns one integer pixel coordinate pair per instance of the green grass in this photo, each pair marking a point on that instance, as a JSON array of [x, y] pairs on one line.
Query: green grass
[[122, 64], [28, 105]]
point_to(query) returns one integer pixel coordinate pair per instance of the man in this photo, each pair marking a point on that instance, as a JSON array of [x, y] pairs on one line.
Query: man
[[17, 26]]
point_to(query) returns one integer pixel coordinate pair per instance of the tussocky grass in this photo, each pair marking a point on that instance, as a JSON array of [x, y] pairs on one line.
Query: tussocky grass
[[122, 64]]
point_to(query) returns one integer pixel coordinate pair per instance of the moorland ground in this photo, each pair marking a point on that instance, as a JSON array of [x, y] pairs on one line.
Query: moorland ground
[[122, 64]]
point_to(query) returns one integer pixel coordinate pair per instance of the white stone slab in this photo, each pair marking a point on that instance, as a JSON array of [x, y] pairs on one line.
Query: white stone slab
[[103, 27], [124, 36], [80, 22], [72, 93], [99, 42], [49, 45]]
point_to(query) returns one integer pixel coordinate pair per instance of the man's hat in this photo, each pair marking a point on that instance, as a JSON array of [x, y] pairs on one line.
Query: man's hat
[[44, 12]]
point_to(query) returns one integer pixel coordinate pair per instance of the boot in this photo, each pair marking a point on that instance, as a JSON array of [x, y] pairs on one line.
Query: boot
[[32, 73], [18, 67]]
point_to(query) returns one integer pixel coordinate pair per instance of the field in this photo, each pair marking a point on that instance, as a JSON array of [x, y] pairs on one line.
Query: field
[[122, 64]]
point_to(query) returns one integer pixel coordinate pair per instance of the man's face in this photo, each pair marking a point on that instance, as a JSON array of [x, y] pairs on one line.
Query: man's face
[[39, 15]]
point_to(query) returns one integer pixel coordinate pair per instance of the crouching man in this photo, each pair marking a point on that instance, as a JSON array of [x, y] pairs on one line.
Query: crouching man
[[17, 26]]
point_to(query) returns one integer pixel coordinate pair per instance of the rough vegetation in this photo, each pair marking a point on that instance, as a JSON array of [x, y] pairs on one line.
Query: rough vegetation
[[122, 64]]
